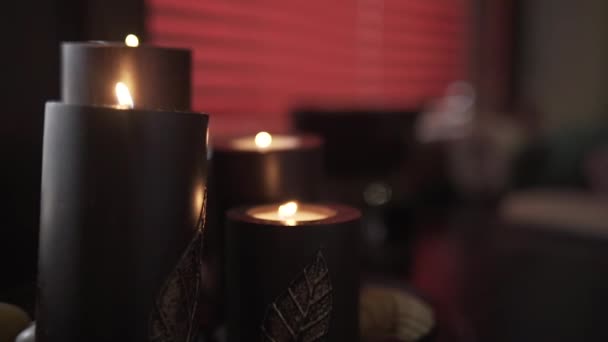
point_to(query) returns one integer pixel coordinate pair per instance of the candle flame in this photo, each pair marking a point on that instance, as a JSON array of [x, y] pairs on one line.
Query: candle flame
[[288, 210], [132, 40], [263, 139], [124, 96]]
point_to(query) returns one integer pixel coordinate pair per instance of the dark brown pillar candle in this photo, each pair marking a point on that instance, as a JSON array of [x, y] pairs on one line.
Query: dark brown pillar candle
[[292, 275], [120, 232], [89, 71], [265, 168]]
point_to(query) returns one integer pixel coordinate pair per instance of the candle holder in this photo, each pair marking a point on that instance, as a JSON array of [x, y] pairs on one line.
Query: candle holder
[[292, 278], [122, 214], [157, 77]]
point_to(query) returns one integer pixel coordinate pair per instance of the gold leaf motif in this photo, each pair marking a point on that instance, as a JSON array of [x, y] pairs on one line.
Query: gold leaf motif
[[302, 312]]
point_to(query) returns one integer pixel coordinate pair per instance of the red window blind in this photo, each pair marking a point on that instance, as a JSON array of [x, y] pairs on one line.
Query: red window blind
[[262, 58]]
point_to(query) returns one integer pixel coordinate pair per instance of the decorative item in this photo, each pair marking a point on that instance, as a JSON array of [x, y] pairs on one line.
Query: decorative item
[[393, 314], [546, 253], [292, 273], [27, 335], [385, 313], [12, 321], [159, 78], [303, 311], [122, 216]]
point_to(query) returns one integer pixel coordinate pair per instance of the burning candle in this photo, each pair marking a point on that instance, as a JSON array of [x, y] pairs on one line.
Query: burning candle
[[158, 77], [120, 226], [266, 168], [281, 257]]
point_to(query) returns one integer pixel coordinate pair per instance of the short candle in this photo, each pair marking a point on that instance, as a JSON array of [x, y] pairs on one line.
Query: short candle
[[285, 256], [266, 168]]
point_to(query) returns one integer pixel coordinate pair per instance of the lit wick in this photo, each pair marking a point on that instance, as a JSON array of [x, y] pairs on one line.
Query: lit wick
[[291, 213], [287, 211], [132, 40], [263, 140], [125, 101]]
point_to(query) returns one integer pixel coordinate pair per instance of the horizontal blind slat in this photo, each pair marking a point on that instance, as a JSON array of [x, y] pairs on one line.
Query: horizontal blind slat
[[261, 58]]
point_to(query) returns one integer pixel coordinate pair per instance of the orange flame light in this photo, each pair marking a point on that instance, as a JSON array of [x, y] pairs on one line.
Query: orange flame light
[[263, 140], [132, 40], [125, 101], [287, 211]]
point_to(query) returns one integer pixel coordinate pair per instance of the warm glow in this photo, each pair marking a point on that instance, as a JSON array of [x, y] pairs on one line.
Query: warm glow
[[124, 96], [263, 140], [292, 213], [288, 210], [132, 40]]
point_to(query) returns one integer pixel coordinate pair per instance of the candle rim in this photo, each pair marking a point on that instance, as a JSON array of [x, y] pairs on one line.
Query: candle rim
[[121, 44], [306, 141], [318, 208], [136, 110], [343, 214]]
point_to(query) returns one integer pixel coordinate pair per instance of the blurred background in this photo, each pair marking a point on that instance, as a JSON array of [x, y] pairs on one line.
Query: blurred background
[[473, 134]]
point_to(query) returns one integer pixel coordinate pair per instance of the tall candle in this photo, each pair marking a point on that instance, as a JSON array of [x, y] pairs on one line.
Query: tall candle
[[121, 223], [292, 273]]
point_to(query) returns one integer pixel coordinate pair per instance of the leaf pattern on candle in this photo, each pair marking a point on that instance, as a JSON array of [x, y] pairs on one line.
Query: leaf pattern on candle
[[302, 313], [174, 317]]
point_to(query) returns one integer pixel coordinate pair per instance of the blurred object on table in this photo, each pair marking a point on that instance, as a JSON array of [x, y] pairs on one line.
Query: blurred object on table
[[545, 269], [567, 211], [12, 321], [394, 314], [27, 335], [596, 169], [480, 163], [441, 273], [360, 143], [449, 117], [572, 156], [480, 148], [374, 162]]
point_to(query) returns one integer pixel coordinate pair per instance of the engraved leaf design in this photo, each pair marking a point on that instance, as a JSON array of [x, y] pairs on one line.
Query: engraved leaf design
[[174, 317], [302, 312]]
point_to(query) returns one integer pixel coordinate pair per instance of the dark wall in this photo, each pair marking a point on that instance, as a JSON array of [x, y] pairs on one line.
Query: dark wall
[[491, 63], [29, 69], [563, 61]]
